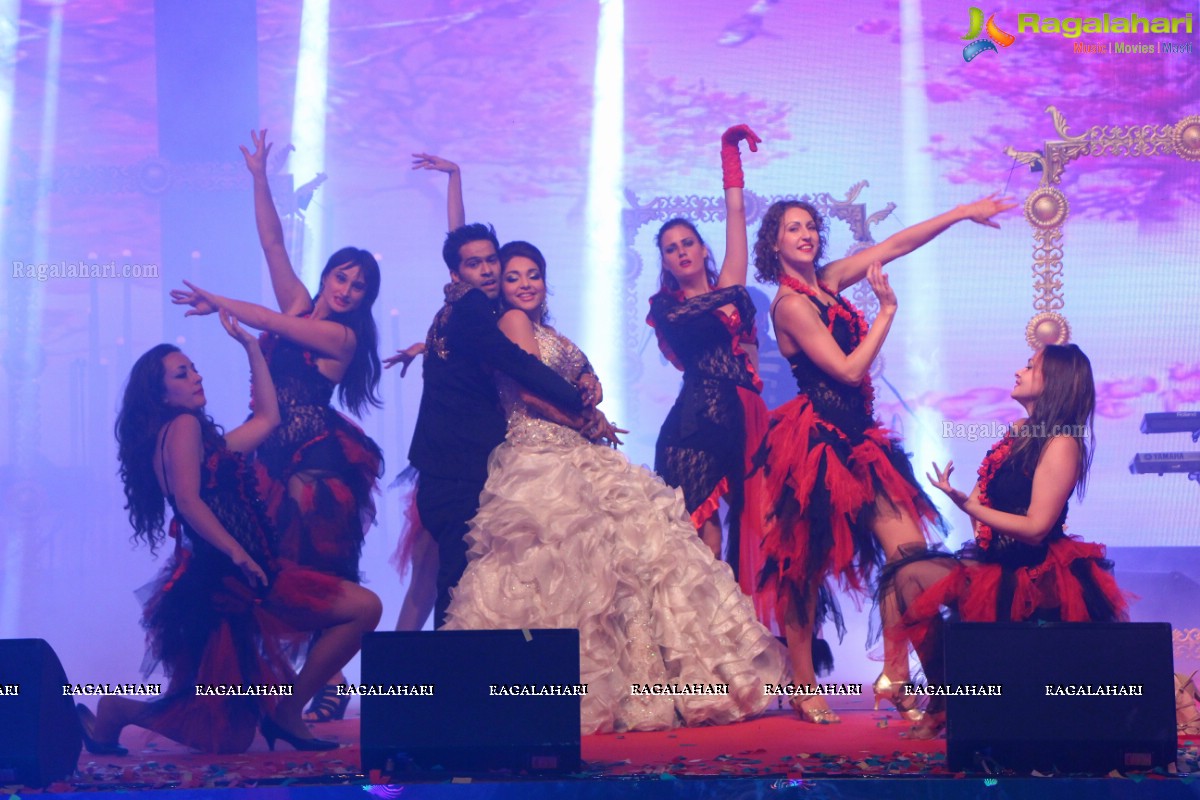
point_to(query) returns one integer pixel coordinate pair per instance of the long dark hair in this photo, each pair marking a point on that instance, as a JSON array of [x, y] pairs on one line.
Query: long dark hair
[[1067, 406], [143, 414], [767, 268], [666, 281], [359, 386]]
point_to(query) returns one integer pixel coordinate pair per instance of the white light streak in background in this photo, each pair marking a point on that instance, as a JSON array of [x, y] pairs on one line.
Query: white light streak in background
[[10, 587], [308, 128], [918, 273], [602, 310], [27, 298], [9, 17]]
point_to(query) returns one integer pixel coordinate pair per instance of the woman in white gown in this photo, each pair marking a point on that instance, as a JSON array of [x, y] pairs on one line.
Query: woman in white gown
[[569, 534]]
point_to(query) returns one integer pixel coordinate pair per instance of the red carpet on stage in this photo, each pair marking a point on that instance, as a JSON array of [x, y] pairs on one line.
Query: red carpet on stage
[[866, 743]]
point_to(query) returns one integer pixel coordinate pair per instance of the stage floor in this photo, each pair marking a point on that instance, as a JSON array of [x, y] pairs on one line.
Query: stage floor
[[774, 752]]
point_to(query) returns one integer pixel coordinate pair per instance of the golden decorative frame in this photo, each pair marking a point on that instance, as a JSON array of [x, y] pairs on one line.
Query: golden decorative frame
[[1047, 209]]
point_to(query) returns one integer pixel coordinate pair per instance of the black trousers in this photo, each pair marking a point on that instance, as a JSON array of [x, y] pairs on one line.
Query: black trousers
[[446, 505]]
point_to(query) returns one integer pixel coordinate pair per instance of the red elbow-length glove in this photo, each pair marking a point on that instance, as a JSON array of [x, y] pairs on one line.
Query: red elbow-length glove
[[731, 158]]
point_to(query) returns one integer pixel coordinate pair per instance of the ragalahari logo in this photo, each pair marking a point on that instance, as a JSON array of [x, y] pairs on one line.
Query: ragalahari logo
[[995, 36]]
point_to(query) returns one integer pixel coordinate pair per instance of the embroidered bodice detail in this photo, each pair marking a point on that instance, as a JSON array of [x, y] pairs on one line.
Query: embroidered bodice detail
[[525, 425]]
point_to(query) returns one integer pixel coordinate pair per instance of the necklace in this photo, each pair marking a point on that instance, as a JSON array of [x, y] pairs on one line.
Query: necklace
[[987, 471]]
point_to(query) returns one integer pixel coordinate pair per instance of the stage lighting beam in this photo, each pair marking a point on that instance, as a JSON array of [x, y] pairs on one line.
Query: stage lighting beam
[[603, 313], [308, 127]]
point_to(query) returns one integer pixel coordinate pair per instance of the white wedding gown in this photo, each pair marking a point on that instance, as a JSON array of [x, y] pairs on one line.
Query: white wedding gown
[[571, 535]]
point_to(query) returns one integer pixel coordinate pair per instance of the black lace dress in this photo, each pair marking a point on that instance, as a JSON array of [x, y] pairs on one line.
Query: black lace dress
[[719, 418], [207, 627], [322, 521]]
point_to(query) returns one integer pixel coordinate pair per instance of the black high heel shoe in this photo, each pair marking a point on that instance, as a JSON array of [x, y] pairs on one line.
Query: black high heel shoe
[[87, 723], [327, 705], [271, 731]]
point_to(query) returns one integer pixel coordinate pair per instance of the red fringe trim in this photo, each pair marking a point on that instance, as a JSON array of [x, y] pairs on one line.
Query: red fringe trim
[[756, 501], [705, 510], [1050, 584], [794, 460], [413, 527]]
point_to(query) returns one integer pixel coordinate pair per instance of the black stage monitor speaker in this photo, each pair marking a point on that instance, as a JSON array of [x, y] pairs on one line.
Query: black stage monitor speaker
[[1074, 697], [470, 702], [40, 738]]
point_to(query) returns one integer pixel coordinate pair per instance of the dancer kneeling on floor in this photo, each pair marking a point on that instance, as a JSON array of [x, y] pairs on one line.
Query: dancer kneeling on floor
[[221, 611], [1021, 566]]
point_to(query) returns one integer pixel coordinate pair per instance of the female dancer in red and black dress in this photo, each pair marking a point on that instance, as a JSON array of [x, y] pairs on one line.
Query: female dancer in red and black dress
[[705, 327], [842, 493], [325, 465], [222, 607], [1021, 566]]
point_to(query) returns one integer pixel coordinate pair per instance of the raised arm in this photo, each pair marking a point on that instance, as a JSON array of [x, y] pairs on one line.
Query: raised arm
[[797, 320], [330, 339], [290, 293], [456, 213], [1053, 481], [182, 454], [737, 251], [850, 270], [250, 434]]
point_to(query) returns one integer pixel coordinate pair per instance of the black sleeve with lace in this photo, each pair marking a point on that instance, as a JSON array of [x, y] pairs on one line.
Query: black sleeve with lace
[[670, 310]]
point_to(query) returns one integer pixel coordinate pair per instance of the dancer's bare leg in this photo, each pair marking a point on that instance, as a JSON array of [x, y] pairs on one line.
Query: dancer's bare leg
[[798, 625], [356, 611], [710, 534], [897, 534], [422, 586]]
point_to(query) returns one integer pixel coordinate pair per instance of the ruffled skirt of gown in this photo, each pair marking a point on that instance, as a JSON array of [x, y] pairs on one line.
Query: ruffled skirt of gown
[[574, 536]]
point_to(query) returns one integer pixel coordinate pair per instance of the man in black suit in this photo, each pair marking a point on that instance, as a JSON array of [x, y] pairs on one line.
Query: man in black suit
[[460, 420]]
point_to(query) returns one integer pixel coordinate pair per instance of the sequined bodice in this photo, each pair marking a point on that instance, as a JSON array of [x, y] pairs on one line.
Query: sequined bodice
[[525, 426], [845, 406]]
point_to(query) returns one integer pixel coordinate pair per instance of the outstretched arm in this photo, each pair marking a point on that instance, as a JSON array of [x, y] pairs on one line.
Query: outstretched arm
[[848, 271], [797, 319], [290, 292], [1053, 481], [405, 357], [183, 451], [246, 437], [456, 213], [330, 339], [737, 252]]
